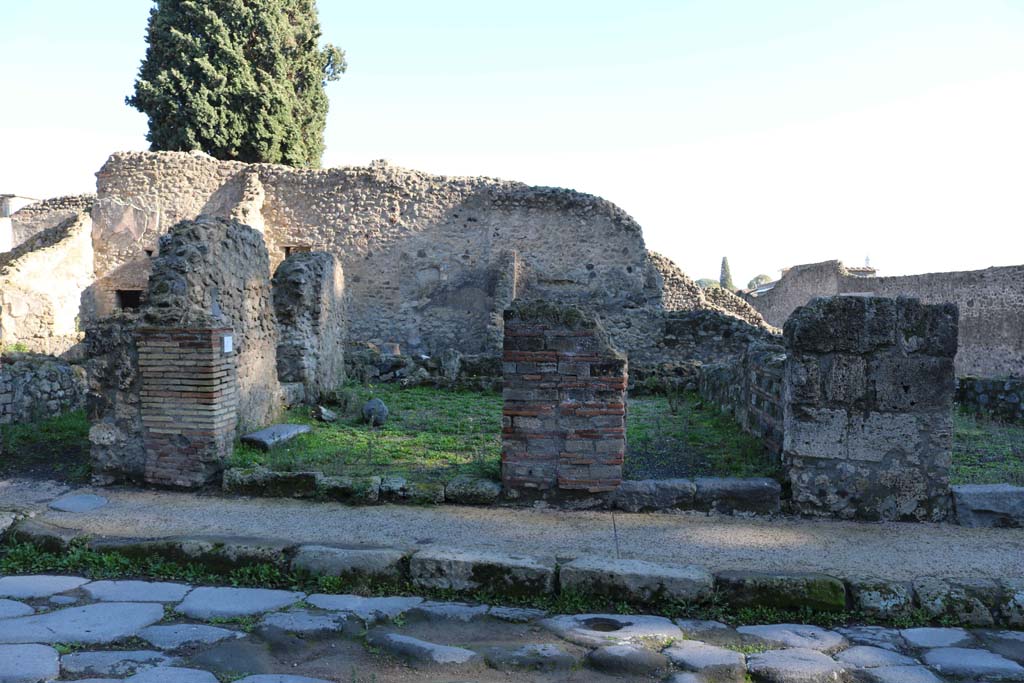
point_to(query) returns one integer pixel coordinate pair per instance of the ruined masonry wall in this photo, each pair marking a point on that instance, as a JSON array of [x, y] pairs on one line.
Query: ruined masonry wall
[[425, 257], [309, 303], [563, 424], [213, 273], [990, 301], [33, 219], [750, 389], [1002, 399], [868, 408], [34, 388], [41, 284]]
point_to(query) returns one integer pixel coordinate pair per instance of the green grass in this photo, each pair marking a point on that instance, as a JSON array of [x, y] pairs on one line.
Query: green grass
[[431, 435], [435, 434], [57, 447], [694, 439], [986, 451]]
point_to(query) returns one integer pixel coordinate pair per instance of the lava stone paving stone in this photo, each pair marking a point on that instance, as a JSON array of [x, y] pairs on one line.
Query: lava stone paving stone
[[13, 608], [595, 630], [798, 665], [78, 502], [28, 663], [797, 636], [112, 663], [103, 622], [973, 664], [42, 586], [228, 603], [174, 636], [136, 591]]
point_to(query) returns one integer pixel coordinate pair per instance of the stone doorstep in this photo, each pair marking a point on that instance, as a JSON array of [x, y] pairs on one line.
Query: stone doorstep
[[634, 581]]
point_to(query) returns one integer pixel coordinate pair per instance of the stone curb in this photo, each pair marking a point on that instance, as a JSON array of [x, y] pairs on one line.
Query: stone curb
[[722, 495], [970, 602]]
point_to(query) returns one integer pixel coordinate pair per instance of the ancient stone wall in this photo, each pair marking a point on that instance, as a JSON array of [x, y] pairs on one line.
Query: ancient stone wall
[[430, 262], [36, 387], [172, 384], [309, 304], [868, 407], [49, 213], [563, 425], [990, 301], [113, 402], [214, 273], [750, 389], [41, 284], [1001, 399]]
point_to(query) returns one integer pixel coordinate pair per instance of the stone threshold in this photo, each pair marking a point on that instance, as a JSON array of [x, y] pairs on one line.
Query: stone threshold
[[973, 602], [722, 495]]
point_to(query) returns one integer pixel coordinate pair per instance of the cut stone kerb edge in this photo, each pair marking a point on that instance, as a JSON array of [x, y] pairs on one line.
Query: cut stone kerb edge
[[868, 407], [564, 417]]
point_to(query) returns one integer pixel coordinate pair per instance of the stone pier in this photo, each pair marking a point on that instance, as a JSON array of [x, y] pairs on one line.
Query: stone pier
[[868, 408]]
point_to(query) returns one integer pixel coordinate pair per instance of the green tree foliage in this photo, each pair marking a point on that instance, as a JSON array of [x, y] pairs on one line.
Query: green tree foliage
[[725, 278], [706, 282], [759, 280], [237, 79]]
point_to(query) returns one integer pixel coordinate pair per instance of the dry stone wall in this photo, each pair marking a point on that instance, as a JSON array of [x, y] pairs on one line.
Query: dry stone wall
[[36, 387], [564, 418], [868, 408], [41, 285], [990, 301], [309, 304], [33, 219]]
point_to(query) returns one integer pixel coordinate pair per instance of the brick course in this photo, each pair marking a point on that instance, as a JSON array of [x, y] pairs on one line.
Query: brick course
[[189, 403], [564, 419]]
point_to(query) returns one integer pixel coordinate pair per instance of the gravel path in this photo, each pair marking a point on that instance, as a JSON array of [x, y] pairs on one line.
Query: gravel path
[[896, 551]]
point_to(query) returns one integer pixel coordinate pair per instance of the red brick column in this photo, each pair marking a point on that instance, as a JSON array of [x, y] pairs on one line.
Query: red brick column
[[189, 403], [564, 419]]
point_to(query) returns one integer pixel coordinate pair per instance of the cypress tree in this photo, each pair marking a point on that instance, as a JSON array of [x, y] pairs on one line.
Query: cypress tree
[[725, 278], [237, 79]]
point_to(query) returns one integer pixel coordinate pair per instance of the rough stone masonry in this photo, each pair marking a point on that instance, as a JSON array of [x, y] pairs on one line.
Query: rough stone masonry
[[564, 420], [868, 407]]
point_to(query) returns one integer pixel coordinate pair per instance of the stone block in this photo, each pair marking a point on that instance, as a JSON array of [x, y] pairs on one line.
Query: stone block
[[462, 570], [636, 581], [654, 494], [466, 490], [274, 436], [351, 490], [989, 505], [883, 599], [729, 495], [260, 481], [819, 592], [362, 563]]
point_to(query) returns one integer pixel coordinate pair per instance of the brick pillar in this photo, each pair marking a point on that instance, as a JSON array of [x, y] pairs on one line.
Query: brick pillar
[[868, 407], [564, 420], [189, 403]]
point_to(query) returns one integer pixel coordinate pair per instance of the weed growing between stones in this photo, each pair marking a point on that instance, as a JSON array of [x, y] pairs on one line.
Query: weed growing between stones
[[986, 451], [27, 558]]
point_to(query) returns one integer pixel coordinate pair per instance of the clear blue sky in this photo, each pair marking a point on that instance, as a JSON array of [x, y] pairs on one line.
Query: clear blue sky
[[776, 133]]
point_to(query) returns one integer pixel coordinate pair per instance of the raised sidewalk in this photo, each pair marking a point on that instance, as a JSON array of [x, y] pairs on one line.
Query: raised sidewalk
[[892, 551]]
